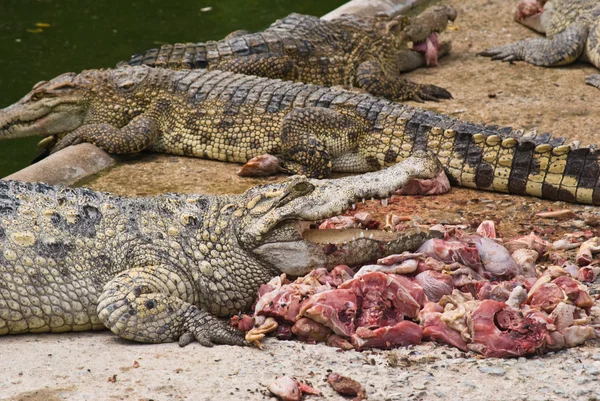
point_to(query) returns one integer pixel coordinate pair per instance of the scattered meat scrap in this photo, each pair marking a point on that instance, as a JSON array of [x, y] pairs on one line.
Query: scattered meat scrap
[[474, 292], [347, 386], [290, 389]]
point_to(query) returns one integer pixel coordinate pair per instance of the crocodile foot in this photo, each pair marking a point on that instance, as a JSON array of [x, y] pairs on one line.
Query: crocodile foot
[[506, 53], [423, 92], [209, 330], [593, 80]]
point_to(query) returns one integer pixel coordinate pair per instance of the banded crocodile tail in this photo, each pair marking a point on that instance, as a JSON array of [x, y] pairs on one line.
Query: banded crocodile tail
[[177, 56], [507, 160]]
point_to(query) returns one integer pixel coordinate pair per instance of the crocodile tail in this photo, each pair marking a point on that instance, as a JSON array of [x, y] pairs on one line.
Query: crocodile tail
[[506, 160], [178, 56]]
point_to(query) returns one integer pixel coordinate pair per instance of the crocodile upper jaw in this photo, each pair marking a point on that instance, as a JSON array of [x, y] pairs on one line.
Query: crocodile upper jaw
[[42, 118]]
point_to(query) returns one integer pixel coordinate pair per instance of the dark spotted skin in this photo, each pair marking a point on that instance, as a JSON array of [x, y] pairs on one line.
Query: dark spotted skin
[[163, 268], [366, 52]]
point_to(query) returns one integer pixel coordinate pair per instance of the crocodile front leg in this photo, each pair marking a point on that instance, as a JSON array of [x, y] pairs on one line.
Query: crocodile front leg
[[133, 137], [563, 48], [371, 77], [311, 137], [152, 304]]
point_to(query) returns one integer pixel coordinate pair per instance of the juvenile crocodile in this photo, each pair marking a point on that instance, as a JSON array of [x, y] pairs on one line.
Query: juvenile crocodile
[[572, 29], [163, 268], [314, 130], [365, 52]]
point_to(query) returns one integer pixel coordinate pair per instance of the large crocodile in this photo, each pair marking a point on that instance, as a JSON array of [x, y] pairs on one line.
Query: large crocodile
[[314, 130], [161, 269], [572, 29], [366, 52]]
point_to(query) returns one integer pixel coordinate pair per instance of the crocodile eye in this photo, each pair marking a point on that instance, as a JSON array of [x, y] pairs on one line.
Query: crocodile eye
[[303, 188], [126, 85], [37, 96]]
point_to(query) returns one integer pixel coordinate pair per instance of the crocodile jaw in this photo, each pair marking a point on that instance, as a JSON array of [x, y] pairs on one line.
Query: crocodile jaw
[[330, 247], [50, 108], [279, 236], [40, 119]]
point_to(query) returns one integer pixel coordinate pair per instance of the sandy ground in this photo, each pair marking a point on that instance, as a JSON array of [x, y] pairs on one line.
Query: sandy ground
[[99, 366]]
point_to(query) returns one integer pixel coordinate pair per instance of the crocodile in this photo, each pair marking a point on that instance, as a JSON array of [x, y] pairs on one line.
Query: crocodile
[[572, 29], [313, 130], [363, 52], [166, 268]]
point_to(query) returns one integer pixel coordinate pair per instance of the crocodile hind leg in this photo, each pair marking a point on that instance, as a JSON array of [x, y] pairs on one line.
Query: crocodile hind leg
[[563, 48], [592, 53], [268, 65], [153, 304], [371, 77], [133, 137], [311, 137]]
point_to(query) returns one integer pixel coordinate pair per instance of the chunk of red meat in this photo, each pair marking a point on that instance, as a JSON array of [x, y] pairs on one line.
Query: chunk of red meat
[[497, 262], [435, 186], [310, 331], [452, 251], [435, 284], [387, 291], [286, 304], [531, 241], [574, 291], [437, 330], [335, 309], [502, 332], [546, 296], [487, 229], [340, 274], [401, 334], [414, 289]]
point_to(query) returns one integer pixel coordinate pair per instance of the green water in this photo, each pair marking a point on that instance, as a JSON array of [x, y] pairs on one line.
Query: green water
[[99, 33]]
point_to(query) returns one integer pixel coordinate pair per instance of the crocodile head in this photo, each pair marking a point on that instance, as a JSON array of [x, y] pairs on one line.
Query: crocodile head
[[275, 219], [56, 107], [423, 31], [534, 14], [50, 108]]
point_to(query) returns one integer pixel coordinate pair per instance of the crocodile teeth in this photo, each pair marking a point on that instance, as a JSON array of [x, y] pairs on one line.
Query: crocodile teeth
[[362, 235], [371, 236], [384, 202], [363, 200], [353, 206]]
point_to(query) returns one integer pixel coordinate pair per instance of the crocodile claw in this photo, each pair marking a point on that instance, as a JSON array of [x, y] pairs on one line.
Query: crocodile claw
[[209, 330], [425, 92], [70, 139], [593, 80], [505, 53]]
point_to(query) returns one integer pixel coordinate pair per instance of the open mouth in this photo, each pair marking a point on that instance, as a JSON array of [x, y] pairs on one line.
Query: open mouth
[[429, 47]]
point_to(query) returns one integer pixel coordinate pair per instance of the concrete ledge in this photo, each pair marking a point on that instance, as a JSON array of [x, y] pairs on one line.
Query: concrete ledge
[[371, 7], [67, 166], [78, 162]]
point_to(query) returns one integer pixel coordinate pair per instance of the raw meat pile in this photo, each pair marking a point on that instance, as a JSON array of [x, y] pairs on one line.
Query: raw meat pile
[[471, 291]]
